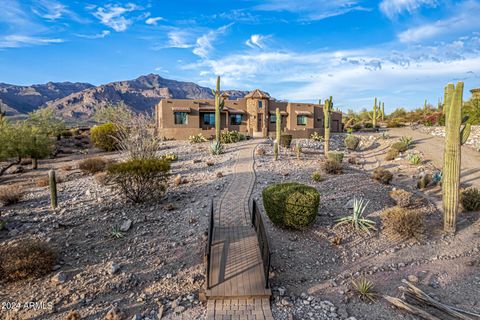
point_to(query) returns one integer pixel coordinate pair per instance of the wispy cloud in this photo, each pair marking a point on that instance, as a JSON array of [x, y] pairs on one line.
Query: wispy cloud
[[100, 35], [393, 8], [464, 18], [16, 41], [312, 9], [204, 44], [153, 20], [256, 41], [49, 9], [113, 16]]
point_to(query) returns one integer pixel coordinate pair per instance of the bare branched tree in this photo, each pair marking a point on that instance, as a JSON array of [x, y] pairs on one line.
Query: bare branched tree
[[136, 136]]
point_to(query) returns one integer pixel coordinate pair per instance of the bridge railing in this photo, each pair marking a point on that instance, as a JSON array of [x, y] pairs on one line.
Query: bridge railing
[[259, 227]]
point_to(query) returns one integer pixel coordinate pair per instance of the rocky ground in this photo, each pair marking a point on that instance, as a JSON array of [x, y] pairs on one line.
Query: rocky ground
[[313, 269], [473, 140], [155, 269]]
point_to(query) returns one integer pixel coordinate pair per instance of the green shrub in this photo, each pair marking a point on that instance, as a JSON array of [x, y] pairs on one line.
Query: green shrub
[[316, 176], [394, 124], [351, 142], [470, 199], [140, 180], [291, 205], [316, 136], [231, 136], [392, 154], [382, 175], [356, 127], [415, 159], [424, 181], [92, 165], [169, 157], [407, 140], [368, 125], [104, 136], [28, 259], [335, 156], [332, 167], [400, 146], [286, 140], [197, 138]]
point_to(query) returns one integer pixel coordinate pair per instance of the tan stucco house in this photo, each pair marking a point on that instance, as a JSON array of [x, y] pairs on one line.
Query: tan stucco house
[[253, 115]]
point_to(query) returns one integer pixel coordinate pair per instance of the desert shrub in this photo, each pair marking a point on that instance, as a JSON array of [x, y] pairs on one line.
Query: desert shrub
[[316, 176], [11, 194], [351, 142], [335, 156], [101, 178], [291, 205], [197, 138], [45, 181], [356, 127], [385, 135], [392, 154], [28, 259], [353, 160], [286, 140], [470, 199], [402, 197], [382, 175], [332, 167], [260, 152], [316, 136], [400, 146], [169, 157], [407, 140], [140, 180], [104, 136], [368, 125], [92, 165], [404, 222], [394, 123], [424, 181], [231, 136], [415, 159]]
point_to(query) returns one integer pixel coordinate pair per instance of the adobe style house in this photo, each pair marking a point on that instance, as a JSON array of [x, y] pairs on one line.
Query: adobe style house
[[253, 115]]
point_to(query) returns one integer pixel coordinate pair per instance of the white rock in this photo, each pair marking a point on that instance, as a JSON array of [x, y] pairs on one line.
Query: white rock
[[126, 225]]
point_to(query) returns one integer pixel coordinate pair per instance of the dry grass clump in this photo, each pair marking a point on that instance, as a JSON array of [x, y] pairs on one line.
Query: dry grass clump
[[332, 167], [28, 259], [470, 199], [45, 181], [101, 178], [92, 165], [402, 197], [11, 194], [382, 175], [404, 222], [392, 154], [260, 152]]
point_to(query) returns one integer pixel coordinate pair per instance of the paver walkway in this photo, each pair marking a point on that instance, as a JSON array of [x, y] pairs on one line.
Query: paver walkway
[[237, 282]]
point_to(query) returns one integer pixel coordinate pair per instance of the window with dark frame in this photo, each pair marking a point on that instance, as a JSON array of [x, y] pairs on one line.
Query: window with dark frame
[[181, 117], [236, 119], [301, 120], [260, 104], [208, 118]]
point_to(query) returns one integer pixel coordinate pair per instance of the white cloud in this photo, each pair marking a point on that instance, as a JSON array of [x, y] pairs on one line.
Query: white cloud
[[16, 41], [393, 8], [256, 41], [100, 35], [49, 9], [463, 18], [113, 16], [153, 20], [312, 9], [204, 44]]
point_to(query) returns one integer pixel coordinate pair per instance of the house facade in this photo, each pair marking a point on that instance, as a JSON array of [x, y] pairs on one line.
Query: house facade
[[254, 115]]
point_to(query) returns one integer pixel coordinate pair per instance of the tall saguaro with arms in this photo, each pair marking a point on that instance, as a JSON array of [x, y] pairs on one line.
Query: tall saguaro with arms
[[327, 110]]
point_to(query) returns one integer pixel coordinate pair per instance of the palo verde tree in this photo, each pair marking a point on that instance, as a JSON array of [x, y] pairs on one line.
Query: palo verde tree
[[46, 123]]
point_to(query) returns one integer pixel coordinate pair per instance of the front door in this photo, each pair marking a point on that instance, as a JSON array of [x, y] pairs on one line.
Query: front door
[[259, 123]]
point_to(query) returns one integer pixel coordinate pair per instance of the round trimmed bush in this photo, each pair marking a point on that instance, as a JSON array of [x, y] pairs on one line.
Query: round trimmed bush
[[291, 205], [335, 156], [400, 146], [103, 136], [351, 142]]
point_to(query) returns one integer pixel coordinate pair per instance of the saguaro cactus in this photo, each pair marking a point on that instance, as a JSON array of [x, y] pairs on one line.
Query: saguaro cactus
[[327, 111], [278, 122], [219, 104], [375, 114], [455, 136], [53, 188], [425, 107], [383, 111]]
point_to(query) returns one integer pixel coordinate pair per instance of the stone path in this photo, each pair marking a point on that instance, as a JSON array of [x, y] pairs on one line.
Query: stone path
[[237, 282]]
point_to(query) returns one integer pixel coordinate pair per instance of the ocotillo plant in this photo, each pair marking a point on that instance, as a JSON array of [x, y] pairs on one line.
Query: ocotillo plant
[[455, 136], [53, 188], [327, 110], [219, 103], [278, 121]]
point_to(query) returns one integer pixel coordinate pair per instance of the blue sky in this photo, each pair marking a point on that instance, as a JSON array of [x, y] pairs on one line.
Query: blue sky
[[402, 51]]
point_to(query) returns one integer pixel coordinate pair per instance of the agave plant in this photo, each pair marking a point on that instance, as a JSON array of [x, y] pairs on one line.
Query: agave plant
[[437, 177], [415, 159], [407, 140], [216, 148], [385, 135], [358, 221], [116, 233], [364, 289]]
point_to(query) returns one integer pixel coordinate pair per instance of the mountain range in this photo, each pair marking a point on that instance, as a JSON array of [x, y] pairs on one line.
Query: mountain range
[[81, 100]]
